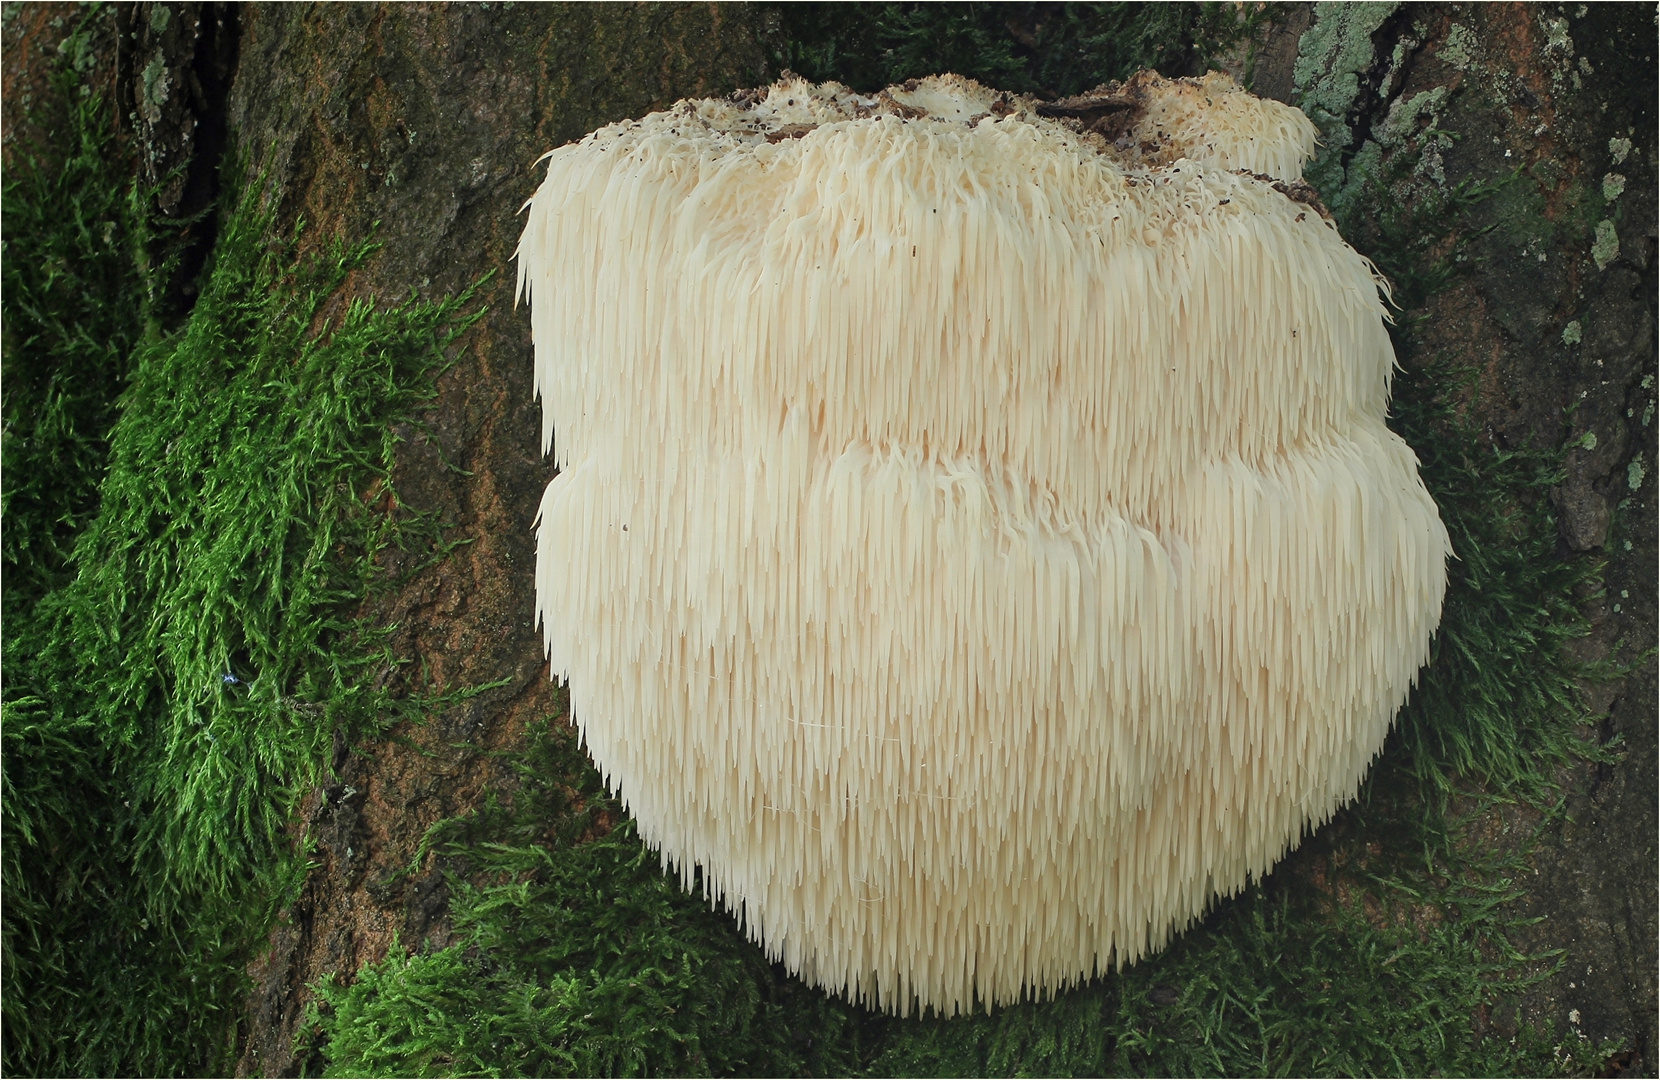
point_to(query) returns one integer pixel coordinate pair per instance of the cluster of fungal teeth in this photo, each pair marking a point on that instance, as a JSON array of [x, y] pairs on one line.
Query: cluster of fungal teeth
[[976, 541]]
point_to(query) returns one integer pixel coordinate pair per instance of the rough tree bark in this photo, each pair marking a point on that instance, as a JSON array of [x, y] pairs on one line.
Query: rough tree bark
[[1557, 314], [428, 120]]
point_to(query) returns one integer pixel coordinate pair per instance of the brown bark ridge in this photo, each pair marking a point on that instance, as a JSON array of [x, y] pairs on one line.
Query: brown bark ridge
[[429, 120], [1555, 104], [31, 117]]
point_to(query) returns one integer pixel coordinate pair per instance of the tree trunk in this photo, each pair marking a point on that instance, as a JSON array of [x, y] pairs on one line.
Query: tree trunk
[[1553, 103], [430, 121], [422, 126]]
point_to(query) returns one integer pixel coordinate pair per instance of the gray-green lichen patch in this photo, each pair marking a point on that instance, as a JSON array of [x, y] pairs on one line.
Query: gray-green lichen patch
[[1613, 186], [156, 87], [1619, 149], [1418, 115], [1460, 49], [1606, 247], [1331, 55], [1403, 150], [1572, 334], [1558, 43], [1565, 74]]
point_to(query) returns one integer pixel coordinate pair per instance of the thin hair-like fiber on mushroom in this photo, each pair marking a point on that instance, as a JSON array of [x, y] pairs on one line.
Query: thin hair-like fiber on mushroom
[[977, 545]]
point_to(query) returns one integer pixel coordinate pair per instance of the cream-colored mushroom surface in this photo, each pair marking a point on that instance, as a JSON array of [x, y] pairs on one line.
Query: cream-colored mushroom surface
[[976, 541]]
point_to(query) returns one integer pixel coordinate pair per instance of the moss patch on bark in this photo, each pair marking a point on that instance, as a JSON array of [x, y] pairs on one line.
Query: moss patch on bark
[[191, 657]]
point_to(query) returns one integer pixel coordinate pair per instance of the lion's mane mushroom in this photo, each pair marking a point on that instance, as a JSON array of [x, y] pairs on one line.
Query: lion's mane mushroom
[[977, 543]]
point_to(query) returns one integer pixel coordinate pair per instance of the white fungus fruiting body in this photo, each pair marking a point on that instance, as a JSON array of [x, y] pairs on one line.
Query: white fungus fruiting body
[[977, 544]]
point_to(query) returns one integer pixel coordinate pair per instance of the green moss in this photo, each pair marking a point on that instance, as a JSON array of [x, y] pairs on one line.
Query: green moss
[[67, 274], [579, 958], [1278, 984], [584, 959], [165, 706]]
